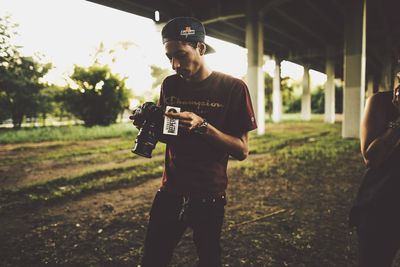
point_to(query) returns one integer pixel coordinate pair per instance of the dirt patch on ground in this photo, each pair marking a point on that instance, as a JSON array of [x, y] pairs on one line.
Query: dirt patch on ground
[[23, 172], [52, 170]]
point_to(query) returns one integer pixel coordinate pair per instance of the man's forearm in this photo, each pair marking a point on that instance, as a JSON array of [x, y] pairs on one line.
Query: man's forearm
[[234, 146]]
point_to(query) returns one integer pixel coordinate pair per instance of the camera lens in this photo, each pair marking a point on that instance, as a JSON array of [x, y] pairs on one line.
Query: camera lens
[[149, 120], [146, 140]]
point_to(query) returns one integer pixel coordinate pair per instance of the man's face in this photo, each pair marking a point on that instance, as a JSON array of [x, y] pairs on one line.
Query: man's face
[[185, 59]]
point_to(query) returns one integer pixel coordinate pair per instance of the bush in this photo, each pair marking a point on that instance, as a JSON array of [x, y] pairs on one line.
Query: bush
[[317, 102], [97, 96]]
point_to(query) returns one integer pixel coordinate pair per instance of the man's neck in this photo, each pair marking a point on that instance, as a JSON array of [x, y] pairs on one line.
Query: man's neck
[[201, 75]]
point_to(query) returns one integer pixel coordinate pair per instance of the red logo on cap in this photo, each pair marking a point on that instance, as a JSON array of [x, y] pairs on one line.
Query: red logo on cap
[[187, 31]]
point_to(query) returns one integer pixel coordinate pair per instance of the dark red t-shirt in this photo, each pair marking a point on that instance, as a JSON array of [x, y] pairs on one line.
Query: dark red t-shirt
[[193, 166]]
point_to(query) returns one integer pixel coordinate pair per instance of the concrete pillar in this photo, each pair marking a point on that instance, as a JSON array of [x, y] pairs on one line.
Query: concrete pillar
[[370, 86], [306, 96], [376, 81], [255, 52], [386, 76], [276, 93], [354, 67], [329, 115]]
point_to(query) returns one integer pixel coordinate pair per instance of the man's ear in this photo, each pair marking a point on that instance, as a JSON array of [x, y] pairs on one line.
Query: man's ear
[[202, 48]]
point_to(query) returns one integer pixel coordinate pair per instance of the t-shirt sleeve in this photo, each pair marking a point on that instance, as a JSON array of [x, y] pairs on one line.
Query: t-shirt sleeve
[[161, 100], [242, 118]]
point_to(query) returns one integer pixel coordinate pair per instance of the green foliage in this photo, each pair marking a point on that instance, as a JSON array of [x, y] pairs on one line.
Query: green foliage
[[268, 85], [4, 112], [20, 76], [51, 102], [287, 91], [96, 96], [295, 149], [158, 75], [294, 105], [338, 99], [317, 101]]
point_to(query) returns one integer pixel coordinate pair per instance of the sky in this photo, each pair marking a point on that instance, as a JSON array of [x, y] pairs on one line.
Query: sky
[[68, 32]]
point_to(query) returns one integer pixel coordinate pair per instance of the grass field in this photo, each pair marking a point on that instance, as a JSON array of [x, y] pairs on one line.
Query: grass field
[[76, 196]]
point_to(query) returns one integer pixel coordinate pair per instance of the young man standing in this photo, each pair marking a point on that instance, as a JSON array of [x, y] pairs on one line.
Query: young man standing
[[215, 117]]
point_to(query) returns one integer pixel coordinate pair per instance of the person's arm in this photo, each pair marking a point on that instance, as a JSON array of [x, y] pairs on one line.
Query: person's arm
[[378, 141], [236, 146]]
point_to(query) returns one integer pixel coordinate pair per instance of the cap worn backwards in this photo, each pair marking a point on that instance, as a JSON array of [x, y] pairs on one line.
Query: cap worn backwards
[[185, 29]]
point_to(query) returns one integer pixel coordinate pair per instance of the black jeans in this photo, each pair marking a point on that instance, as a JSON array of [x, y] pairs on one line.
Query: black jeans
[[168, 223]]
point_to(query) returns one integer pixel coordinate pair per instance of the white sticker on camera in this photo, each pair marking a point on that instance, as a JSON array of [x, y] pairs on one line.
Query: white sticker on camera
[[171, 125]]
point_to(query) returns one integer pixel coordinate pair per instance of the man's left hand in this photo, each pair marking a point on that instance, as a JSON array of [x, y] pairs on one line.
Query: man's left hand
[[187, 120]]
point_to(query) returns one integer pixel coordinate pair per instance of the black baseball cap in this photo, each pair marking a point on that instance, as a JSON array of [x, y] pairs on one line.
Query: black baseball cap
[[185, 29]]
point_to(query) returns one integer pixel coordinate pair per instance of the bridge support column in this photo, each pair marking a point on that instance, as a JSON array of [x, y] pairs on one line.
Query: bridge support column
[[276, 93], [306, 96], [329, 115], [255, 52], [354, 67]]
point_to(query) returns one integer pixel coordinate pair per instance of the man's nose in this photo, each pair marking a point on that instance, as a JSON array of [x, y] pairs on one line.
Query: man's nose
[[175, 64]]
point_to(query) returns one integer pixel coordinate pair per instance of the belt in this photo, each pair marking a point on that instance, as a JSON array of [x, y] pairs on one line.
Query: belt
[[207, 199], [196, 200], [210, 198]]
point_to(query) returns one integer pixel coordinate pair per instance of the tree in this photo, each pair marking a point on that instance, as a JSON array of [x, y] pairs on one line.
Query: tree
[[4, 112], [339, 99], [268, 84], [287, 91], [19, 77], [288, 86], [49, 103], [96, 95], [318, 100]]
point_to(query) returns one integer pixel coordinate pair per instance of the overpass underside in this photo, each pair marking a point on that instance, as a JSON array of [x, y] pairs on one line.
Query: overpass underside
[[357, 41]]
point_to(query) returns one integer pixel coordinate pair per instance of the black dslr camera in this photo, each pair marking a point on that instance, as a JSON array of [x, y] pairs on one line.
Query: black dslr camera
[[149, 119]]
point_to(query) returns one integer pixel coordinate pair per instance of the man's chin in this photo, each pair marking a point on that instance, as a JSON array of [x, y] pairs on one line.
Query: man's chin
[[184, 75]]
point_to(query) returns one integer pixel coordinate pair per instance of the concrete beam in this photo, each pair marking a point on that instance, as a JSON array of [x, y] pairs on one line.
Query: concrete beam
[[271, 4], [321, 14], [234, 26], [301, 26], [339, 7], [229, 37], [223, 18], [285, 34]]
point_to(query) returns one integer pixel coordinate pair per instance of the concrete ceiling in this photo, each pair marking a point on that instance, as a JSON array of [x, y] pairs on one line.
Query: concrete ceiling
[[295, 30]]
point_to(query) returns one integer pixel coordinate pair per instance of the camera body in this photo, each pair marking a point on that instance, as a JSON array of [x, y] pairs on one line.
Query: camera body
[[149, 119]]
